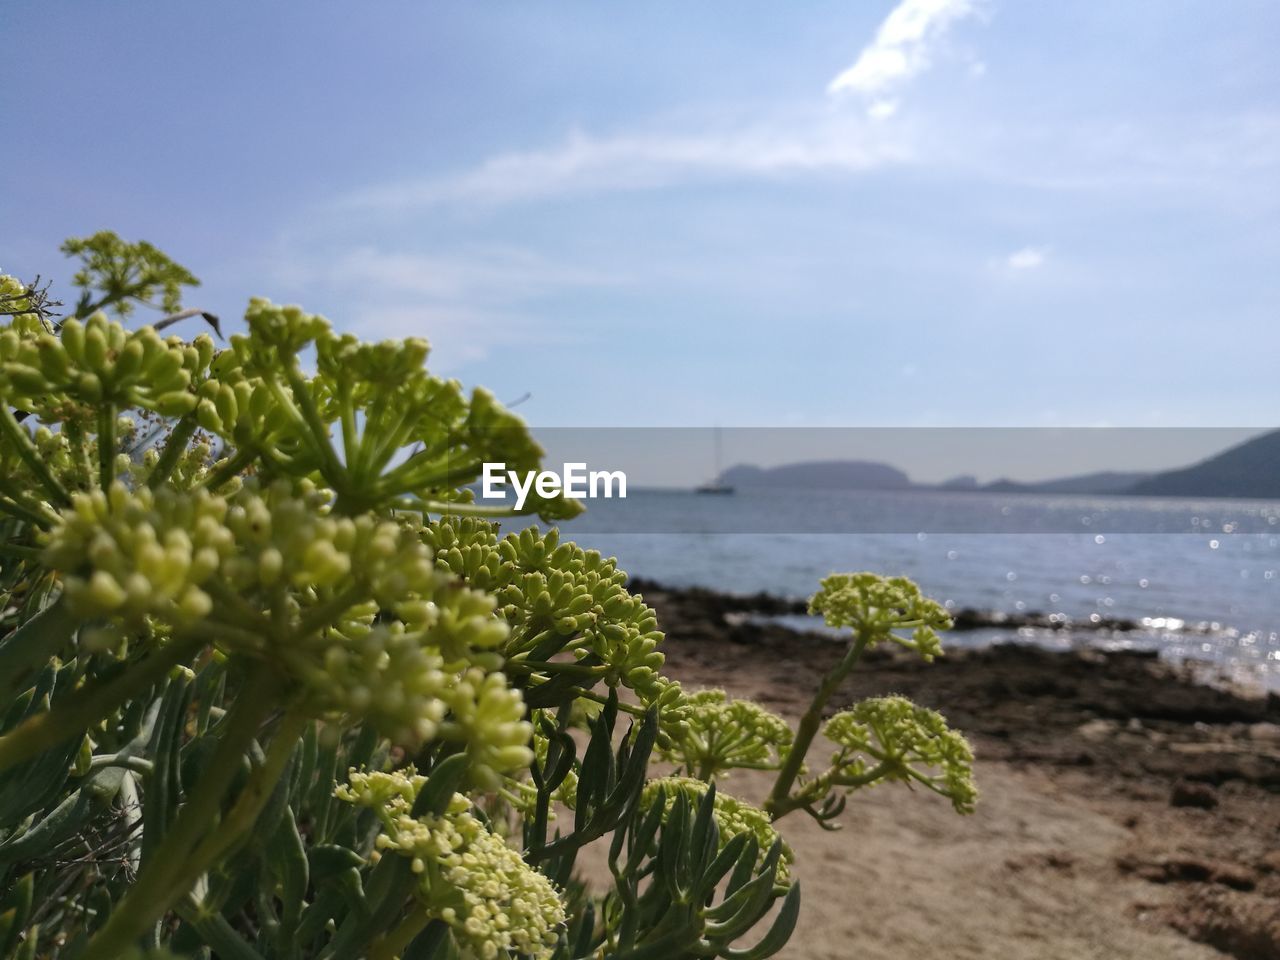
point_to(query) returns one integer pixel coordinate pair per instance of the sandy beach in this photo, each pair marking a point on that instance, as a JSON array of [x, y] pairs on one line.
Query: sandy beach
[[1128, 809]]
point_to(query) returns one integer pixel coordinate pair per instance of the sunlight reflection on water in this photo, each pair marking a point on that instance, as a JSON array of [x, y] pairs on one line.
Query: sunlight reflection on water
[[1200, 577]]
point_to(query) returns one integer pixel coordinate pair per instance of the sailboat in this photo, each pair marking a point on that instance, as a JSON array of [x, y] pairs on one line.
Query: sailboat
[[715, 484]]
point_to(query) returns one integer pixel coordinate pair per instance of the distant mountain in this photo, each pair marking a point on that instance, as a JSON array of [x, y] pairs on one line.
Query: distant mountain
[[868, 475], [1251, 469], [820, 474], [1105, 482]]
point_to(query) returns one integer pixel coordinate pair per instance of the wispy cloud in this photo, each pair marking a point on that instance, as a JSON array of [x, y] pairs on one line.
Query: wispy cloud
[[804, 142], [464, 304], [500, 274], [1028, 258], [845, 135], [808, 138], [902, 48]]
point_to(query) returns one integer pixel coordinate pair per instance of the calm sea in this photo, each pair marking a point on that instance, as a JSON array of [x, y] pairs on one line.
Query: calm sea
[[1203, 577]]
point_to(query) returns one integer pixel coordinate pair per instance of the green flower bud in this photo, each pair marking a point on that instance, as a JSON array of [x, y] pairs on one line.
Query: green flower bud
[[89, 387], [207, 416], [205, 350], [134, 554], [72, 334], [228, 406], [27, 381], [175, 404], [95, 346], [541, 583], [104, 593], [287, 329], [163, 368], [130, 360], [489, 715]]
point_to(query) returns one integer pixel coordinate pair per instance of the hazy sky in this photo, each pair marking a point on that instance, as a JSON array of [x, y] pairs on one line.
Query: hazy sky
[[753, 213]]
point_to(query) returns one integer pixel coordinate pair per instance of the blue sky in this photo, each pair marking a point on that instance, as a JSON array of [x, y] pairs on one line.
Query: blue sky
[[941, 213]]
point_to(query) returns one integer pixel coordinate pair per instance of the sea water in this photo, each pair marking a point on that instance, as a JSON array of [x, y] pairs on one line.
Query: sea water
[[1201, 576]]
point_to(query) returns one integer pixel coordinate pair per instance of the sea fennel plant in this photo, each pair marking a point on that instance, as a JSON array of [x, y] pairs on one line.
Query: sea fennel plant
[[273, 686]]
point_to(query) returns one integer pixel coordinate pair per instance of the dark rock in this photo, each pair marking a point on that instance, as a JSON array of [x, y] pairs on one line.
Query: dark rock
[[1198, 795], [1191, 870], [1062, 860], [1247, 928]]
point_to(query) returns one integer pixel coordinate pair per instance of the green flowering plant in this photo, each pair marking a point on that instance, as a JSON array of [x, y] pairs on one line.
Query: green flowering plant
[[490, 898], [891, 738], [721, 734], [273, 686]]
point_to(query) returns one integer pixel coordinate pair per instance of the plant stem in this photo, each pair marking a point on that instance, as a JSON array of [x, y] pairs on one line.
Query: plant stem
[[445, 508], [25, 506], [139, 765], [84, 707], [332, 467], [871, 776], [159, 884], [174, 448], [75, 433], [30, 456], [239, 460], [403, 478], [591, 695], [17, 510], [779, 802], [106, 444], [391, 944], [350, 436], [325, 613], [254, 796], [381, 421], [555, 666]]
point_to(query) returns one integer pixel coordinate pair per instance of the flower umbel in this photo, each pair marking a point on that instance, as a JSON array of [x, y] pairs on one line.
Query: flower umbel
[[874, 607], [891, 738], [720, 734], [494, 903]]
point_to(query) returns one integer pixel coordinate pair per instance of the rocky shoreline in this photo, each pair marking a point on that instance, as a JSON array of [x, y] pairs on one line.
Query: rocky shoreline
[[701, 601], [1190, 772]]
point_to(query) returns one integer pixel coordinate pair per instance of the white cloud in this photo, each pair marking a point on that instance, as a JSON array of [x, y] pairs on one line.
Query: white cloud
[[1028, 258], [812, 141], [1224, 158], [902, 48], [802, 140]]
